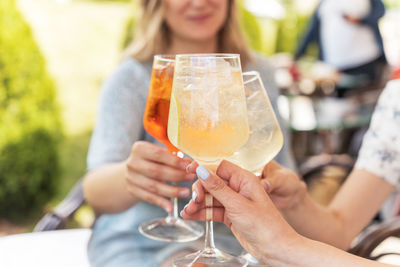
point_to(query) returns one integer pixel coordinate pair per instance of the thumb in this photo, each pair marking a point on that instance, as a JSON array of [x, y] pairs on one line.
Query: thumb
[[270, 183], [217, 188], [271, 167]]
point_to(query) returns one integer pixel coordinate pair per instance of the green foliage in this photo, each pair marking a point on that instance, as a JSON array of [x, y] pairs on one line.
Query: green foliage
[[105, 1], [291, 30], [129, 32], [29, 120], [391, 4], [251, 29]]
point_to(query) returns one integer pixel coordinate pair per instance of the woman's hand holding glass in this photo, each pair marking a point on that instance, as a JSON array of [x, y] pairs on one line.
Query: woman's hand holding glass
[[149, 167], [208, 121], [243, 205], [284, 187]]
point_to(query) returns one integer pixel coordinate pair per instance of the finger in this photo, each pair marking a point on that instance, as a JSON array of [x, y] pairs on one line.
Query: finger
[[157, 187], [266, 184], [158, 154], [198, 193], [191, 168], [272, 182], [226, 170], [200, 215], [193, 207], [241, 181], [159, 171], [270, 176], [187, 161], [270, 168], [282, 180], [151, 198], [218, 189]]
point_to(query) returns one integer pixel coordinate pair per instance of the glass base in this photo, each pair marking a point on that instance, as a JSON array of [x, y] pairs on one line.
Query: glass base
[[252, 262], [210, 258], [171, 229]]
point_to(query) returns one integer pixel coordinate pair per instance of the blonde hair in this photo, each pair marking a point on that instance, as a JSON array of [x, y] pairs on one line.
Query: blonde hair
[[152, 33]]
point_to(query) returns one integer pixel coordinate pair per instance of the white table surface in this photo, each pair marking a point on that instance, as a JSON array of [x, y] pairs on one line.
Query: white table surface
[[391, 244], [67, 248], [60, 248]]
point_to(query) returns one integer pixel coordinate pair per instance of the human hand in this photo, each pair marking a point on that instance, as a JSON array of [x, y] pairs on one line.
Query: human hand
[[243, 205], [351, 19], [283, 186], [149, 167]]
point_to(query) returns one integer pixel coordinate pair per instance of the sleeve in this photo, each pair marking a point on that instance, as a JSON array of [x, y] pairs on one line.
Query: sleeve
[[120, 112], [377, 11], [312, 35], [380, 150], [267, 72]]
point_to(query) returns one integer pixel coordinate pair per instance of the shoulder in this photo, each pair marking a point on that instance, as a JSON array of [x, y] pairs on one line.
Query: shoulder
[[263, 65], [130, 70], [380, 151], [391, 94], [259, 63], [388, 106], [387, 110], [130, 76]]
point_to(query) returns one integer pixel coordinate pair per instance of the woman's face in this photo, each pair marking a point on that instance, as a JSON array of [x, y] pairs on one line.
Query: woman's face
[[196, 20]]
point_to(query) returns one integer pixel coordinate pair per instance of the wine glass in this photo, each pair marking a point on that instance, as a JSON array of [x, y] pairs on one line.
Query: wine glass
[[208, 121], [265, 139], [155, 121]]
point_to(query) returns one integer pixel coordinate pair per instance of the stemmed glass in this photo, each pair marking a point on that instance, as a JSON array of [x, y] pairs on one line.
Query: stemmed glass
[[265, 139], [208, 121], [155, 121]]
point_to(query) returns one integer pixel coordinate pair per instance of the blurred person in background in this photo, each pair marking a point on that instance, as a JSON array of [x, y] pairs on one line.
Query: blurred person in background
[[127, 168], [348, 37], [374, 179], [242, 203]]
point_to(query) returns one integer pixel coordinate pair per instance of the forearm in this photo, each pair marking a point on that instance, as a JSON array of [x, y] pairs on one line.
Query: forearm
[[105, 189], [317, 222], [305, 252]]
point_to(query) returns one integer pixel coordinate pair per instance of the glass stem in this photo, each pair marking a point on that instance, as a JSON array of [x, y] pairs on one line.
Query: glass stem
[[175, 200], [175, 210], [209, 245]]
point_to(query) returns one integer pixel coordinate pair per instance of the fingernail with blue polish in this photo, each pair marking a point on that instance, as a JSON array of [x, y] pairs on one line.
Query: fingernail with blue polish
[[194, 195], [202, 173]]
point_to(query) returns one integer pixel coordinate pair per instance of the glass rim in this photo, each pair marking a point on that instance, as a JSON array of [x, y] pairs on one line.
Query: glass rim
[[254, 73], [209, 55], [165, 57]]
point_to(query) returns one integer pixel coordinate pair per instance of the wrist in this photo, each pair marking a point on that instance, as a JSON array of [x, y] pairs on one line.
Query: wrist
[[287, 251]]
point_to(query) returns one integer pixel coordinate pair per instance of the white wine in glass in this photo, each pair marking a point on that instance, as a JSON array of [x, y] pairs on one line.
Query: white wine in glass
[[265, 139], [208, 121]]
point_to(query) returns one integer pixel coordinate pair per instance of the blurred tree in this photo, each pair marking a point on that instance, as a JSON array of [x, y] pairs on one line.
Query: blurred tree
[[30, 127], [291, 28], [391, 4], [251, 29]]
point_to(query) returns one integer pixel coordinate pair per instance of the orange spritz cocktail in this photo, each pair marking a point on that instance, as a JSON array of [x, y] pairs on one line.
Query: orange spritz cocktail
[[155, 118]]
